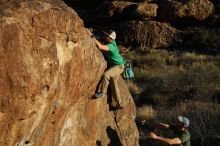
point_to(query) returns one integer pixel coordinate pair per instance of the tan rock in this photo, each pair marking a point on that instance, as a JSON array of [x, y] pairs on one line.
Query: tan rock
[[117, 11], [93, 3], [175, 9], [49, 70], [132, 11], [199, 9]]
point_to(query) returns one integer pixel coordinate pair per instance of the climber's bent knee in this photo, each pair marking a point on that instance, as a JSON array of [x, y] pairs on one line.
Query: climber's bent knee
[[106, 76]]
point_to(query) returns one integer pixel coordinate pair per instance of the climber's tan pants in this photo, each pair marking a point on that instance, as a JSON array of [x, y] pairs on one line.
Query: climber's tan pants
[[112, 73]]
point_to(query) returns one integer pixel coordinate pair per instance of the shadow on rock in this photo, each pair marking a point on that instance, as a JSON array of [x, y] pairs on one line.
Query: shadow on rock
[[113, 136], [98, 143]]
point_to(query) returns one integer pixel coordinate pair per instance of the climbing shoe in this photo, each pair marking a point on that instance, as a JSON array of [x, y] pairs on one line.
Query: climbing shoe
[[99, 95]]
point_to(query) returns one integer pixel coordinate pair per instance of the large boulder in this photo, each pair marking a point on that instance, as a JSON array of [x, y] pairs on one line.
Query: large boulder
[[147, 34], [197, 9], [116, 11], [132, 11], [50, 68], [93, 3], [83, 3]]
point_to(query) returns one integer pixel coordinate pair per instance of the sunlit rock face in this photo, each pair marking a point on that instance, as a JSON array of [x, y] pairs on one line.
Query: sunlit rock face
[[50, 68]]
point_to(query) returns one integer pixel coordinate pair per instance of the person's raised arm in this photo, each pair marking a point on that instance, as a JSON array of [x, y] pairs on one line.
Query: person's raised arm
[[163, 125], [170, 141], [99, 45], [158, 125]]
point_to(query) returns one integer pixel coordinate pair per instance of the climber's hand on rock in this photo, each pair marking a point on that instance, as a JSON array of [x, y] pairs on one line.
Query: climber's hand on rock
[[143, 122], [152, 135], [90, 33]]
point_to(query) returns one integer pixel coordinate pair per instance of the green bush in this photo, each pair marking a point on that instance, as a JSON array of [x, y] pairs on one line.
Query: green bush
[[203, 38]]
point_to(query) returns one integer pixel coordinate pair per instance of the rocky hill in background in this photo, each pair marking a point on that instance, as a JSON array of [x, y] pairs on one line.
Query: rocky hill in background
[[50, 68], [155, 23]]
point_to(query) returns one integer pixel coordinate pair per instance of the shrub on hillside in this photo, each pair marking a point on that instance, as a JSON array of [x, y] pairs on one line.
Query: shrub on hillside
[[169, 77], [202, 38]]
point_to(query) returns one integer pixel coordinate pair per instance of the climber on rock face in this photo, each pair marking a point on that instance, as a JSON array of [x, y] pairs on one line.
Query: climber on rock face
[[115, 63]]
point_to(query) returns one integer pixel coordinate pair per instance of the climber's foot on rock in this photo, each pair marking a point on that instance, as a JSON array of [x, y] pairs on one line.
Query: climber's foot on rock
[[99, 95]]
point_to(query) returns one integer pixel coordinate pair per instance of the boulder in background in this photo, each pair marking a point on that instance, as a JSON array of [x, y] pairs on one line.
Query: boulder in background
[[146, 34]]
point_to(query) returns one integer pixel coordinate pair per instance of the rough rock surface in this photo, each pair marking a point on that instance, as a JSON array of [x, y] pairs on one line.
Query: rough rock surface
[[147, 34], [180, 14], [132, 11], [49, 70], [117, 11], [90, 4], [197, 9], [84, 3], [200, 10]]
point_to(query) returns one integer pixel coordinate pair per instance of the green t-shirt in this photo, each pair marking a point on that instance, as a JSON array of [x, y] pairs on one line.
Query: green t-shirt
[[184, 136], [113, 56]]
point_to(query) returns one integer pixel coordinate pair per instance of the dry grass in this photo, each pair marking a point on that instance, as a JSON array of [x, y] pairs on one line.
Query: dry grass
[[174, 76], [146, 112], [174, 83], [133, 87]]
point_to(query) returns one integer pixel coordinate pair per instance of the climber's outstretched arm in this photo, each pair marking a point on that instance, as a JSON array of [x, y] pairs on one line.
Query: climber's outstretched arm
[[158, 125], [100, 46], [163, 126], [170, 141]]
